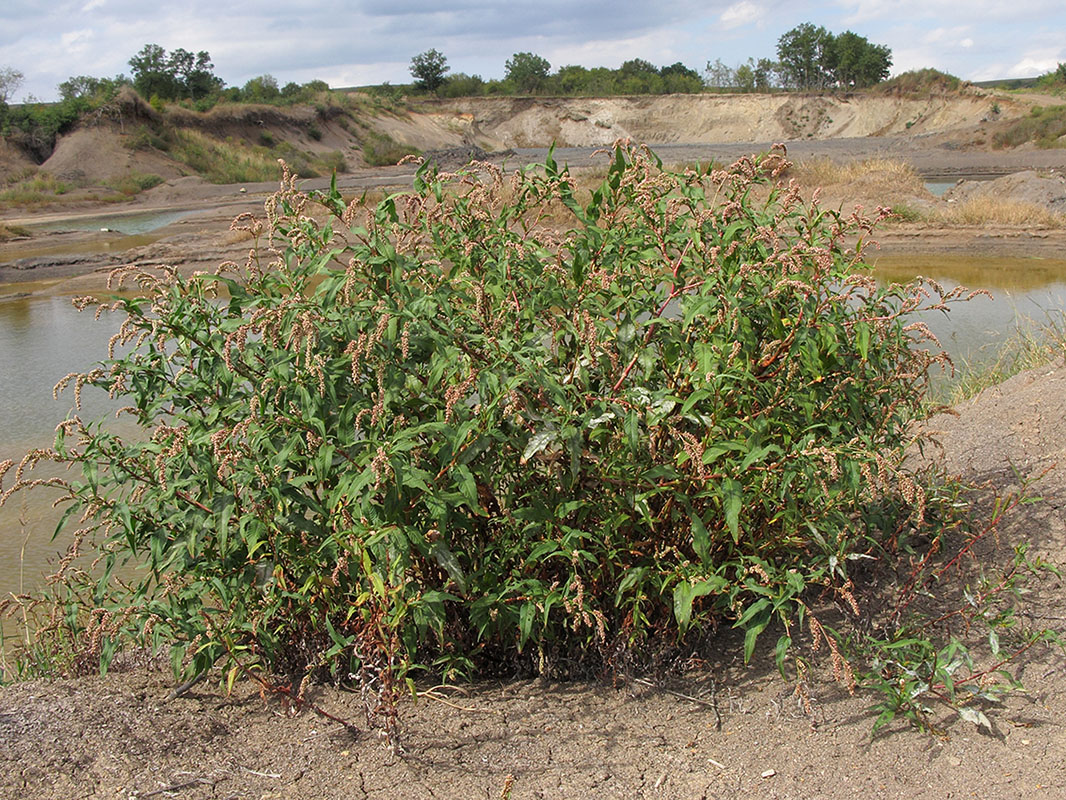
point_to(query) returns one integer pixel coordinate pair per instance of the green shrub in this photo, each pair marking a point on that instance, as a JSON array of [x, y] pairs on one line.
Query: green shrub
[[40, 189], [381, 150], [1043, 125], [135, 182], [436, 434]]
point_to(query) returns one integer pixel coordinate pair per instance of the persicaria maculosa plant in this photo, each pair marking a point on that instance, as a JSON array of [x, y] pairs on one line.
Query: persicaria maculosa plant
[[498, 423]]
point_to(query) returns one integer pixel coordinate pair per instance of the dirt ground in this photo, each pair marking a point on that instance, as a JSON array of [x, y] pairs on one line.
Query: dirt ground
[[717, 731], [202, 240]]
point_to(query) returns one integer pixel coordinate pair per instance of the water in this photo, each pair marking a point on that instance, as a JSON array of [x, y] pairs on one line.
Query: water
[[938, 188], [129, 224], [43, 339], [1025, 294]]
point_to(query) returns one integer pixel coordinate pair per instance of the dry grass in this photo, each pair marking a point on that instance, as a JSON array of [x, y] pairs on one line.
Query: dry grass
[[9, 232], [985, 210], [871, 175]]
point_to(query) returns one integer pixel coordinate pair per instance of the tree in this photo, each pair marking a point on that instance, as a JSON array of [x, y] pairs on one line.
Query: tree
[[677, 68], [262, 89], [179, 74], [719, 75], [10, 81], [745, 76], [428, 70], [90, 89], [462, 85], [195, 74], [856, 63], [765, 70], [152, 73], [527, 71], [803, 53], [677, 78]]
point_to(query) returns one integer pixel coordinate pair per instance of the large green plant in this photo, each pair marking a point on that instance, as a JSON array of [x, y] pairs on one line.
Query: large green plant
[[493, 421]]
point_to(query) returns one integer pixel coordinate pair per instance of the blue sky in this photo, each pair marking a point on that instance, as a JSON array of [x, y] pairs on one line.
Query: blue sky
[[369, 41]]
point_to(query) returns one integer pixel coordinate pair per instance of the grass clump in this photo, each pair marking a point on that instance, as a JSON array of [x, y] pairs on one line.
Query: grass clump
[[920, 83], [133, 183], [983, 209], [9, 232], [1045, 125], [381, 150], [1032, 344], [876, 176], [221, 161], [435, 436], [41, 189]]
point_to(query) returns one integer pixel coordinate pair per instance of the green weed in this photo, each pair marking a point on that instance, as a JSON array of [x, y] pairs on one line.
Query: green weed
[[381, 150], [437, 435], [1044, 125], [41, 189], [134, 183]]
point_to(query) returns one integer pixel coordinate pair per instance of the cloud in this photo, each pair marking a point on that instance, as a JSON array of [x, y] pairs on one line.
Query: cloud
[[913, 10], [374, 40], [742, 13], [76, 41]]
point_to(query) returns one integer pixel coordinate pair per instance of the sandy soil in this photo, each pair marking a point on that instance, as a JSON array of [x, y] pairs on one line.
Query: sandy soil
[[716, 731], [203, 239]]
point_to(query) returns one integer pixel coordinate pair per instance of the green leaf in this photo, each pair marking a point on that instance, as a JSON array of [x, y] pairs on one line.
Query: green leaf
[[732, 503], [683, 596], [525, 623], [780, 652], [701, 541]]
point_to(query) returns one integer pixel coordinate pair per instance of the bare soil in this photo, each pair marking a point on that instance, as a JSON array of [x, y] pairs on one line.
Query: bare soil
[[715, 730]]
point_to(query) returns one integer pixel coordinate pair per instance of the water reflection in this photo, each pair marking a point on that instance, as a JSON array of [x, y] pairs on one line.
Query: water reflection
[[41, 340], [1025, 293], [129, 224]]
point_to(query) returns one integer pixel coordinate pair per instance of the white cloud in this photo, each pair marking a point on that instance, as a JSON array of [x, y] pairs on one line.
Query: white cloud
[[93, 4], [967, 42], [945, 35], [76, 41], [1031, 66], [904, 10], [742, 13]]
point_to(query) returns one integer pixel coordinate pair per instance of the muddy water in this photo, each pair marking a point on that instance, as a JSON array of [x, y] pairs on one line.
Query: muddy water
[[1026, 294], [43, 339], [127, 223]]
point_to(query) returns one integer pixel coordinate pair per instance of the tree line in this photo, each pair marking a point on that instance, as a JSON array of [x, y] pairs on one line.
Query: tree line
[[809, 58], [157, 75]]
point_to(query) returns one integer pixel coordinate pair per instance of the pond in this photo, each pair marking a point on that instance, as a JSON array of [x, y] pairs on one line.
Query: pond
[[130, 224], [43, 339]]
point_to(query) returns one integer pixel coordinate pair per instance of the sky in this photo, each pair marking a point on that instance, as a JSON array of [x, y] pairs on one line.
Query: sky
[[357, 42]]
